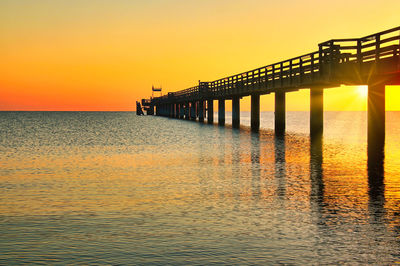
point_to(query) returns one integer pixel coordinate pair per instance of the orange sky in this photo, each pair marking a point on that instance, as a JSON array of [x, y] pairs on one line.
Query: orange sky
[[105, 55]]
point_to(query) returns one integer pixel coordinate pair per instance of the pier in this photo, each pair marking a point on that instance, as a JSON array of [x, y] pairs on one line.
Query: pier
[[373, 60]]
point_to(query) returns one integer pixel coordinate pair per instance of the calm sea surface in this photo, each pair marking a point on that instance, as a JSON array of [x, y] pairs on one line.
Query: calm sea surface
[[115, 188]]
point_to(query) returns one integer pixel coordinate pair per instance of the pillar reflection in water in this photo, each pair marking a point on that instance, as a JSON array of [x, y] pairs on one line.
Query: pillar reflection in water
[[280, 165], [221, 154], [255, 164], [376, 184], [316, 170], [236, 167]]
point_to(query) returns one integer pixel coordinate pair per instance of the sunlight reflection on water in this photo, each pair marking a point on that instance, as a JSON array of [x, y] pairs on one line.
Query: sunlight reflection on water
[[114, 188]]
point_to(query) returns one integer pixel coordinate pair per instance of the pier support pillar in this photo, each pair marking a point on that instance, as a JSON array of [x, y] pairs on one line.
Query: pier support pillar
[[210, 111], [255, 112], [376, 122], [280, 113], [316, 112], [201, 110], [181, 111], [235, 112], [150, 110], [193, 111], [187, 111], [176, 112], [168, 110], [221, 112]]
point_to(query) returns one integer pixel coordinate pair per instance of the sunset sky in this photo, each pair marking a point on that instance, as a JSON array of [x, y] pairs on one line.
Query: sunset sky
[[105, 55]]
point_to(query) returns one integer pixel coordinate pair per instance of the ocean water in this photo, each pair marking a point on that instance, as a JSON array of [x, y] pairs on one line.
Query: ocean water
[[115, 188]]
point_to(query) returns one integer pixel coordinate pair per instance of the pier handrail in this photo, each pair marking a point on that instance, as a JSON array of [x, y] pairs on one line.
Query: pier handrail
[[315, 66]]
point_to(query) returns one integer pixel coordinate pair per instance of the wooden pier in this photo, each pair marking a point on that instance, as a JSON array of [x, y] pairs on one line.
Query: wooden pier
[[373, 60]]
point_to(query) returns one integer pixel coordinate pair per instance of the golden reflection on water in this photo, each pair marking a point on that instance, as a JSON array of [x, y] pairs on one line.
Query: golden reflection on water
[[218, 182]]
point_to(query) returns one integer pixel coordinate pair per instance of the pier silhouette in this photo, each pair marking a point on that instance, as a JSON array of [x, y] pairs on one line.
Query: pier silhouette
[[373, 60]]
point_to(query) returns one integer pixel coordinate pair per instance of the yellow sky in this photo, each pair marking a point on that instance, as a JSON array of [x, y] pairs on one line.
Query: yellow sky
[[104, 55]]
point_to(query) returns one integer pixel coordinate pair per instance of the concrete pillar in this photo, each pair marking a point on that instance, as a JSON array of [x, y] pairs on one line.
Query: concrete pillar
[[201, 110], [221, 112], [235, 112], [316, 111], [193, 111], [376, 145], [176, 114], [150, 111], [280, 113], [255, 112], [181, 113], [210, 111], [187, 111], [172, 114], [376, 122]]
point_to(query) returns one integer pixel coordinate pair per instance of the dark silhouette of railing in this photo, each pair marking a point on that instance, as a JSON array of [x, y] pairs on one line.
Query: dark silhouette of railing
[[337, 61]]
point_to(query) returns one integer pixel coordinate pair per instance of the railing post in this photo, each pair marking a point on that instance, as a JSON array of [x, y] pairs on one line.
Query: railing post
[[273, 76], [312, 67], [398, 54], [377, 51], [377, 47], [301, 70], [321, 62], [330, 60], [359, 54]]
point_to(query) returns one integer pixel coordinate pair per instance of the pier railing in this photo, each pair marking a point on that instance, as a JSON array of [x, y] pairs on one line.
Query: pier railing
[[320, 67], [373, 47]]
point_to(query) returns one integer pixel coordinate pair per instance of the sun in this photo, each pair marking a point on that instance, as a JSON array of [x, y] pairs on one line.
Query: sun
[[362, 91]]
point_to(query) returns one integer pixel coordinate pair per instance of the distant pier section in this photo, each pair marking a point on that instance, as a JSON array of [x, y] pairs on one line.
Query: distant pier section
[[373, 60]]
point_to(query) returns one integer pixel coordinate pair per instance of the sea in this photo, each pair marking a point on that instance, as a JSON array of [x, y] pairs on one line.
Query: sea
[[114, 188]]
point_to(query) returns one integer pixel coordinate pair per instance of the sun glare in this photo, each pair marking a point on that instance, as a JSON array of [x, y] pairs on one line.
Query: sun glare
[[362, 91]]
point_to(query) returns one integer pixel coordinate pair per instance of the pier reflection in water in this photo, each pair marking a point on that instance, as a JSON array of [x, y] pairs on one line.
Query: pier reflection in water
[[74, 185]]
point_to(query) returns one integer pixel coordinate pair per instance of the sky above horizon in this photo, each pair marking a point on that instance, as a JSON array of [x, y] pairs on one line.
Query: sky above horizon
[[105, 55]]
